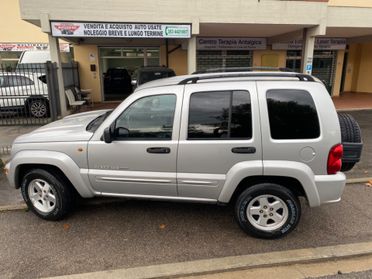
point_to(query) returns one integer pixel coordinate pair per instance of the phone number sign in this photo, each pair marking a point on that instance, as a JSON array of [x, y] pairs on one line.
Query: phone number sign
[[120, 30]]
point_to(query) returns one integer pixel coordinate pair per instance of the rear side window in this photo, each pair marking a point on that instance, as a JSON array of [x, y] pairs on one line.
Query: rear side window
[[292, 114], [220, 115], [18, 81]]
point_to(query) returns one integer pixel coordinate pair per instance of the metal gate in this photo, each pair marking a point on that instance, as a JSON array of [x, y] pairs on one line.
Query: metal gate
[[24, 95], [208, 59], [324, 65], [29, 92]]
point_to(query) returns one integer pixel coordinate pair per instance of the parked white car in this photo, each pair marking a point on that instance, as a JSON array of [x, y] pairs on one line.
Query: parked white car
[[27, 93]]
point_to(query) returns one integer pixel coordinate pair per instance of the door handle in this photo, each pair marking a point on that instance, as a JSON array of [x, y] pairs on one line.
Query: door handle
[[158, 150], [244, 150]]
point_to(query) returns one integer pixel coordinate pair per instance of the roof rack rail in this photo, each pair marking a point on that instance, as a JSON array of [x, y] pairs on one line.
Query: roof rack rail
[[301, 77], [242, 69]]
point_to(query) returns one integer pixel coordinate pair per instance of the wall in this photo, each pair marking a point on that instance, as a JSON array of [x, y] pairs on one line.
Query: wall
[[351, 3], [364, 83], [177, 59], [269, 58], [359, 69], [338, 75], [88, 79], [352, 68], [232, 11], [15, 30]]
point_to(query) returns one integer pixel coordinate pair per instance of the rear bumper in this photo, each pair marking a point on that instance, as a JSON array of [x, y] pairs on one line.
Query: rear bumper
[[330, 187]]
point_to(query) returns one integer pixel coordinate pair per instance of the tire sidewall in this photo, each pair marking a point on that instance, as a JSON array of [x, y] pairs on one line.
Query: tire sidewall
[[293, 205], [53, 182]]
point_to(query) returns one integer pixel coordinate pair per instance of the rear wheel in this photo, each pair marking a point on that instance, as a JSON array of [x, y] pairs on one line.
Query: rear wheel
[[38, 108], [46, 194], [267, 210]]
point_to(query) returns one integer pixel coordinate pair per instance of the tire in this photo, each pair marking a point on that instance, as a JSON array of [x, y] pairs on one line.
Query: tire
[[288, 211], [38, 189], [38, 108], [350, 132]]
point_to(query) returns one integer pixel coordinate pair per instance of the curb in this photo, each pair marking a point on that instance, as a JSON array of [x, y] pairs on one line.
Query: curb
[[21, 206], [234, 263], [358, 180], [353, 109]]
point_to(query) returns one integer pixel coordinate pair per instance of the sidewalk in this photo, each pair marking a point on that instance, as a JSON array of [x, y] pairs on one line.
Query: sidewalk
[[298, 263], [353, 101], [9, 195]]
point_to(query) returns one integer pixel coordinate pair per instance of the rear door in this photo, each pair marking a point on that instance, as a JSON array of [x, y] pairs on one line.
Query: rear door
[[219, 128], [291, 126]]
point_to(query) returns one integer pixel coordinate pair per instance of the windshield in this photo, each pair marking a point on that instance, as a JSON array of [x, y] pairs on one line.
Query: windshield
[[93, 125]]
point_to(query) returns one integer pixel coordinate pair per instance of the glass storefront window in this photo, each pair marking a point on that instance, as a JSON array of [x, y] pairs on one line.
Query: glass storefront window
[[209, 59], [120, 64], [110, 51]]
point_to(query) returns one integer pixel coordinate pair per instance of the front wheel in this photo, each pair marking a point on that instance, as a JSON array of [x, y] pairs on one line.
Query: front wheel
[[47, 194], [267, 211]]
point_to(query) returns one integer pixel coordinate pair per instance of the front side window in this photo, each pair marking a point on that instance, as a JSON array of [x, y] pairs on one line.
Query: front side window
[[220, 115], [149, 118], [292, 114]]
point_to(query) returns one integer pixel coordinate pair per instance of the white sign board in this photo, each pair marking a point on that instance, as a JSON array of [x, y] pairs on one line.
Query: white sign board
[[230, 43], [31, 46], [320, 44], [120, 30]]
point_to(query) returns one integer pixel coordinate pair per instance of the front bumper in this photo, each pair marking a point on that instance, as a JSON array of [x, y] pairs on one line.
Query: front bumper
[[330, 187], [9, 173]]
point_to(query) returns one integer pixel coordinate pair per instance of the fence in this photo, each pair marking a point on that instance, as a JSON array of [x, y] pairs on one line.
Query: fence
[[29, 92]]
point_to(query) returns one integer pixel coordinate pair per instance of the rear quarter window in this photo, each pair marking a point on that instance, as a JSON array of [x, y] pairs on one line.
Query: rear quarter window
[[292, 114]]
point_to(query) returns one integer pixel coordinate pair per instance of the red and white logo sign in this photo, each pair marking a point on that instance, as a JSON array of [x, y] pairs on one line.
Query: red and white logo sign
[[67, 28]]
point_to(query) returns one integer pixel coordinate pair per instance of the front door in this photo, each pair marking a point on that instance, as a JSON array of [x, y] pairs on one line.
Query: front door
[[219, 129], [141, 160]]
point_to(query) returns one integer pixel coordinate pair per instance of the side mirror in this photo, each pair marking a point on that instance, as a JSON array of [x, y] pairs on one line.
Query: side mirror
[[122, 132], [107, 135], [134, 82]]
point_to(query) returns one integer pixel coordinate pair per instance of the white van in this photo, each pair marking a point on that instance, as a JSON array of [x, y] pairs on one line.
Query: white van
[[34, 56]]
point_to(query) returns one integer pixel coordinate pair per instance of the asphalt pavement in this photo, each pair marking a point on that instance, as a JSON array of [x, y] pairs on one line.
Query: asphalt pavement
[[138, 233], [364, 168]]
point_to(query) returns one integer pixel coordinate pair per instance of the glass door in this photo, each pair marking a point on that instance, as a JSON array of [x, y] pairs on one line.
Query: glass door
[[118, 68]]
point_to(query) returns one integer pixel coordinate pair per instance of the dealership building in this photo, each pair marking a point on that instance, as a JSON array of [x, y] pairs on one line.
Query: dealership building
[[330, 39]]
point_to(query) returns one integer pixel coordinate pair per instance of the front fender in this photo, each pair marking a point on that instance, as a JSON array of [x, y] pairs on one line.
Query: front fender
[[78, 177]]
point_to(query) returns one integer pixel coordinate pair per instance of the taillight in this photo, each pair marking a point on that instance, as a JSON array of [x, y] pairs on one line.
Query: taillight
[[334, 159]]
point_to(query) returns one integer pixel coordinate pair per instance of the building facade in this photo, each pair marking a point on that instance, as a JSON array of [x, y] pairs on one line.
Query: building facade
[[17, 35], [330, 39]]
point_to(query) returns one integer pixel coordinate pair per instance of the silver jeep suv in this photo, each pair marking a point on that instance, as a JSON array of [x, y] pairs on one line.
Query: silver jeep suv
[[258, 140]]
